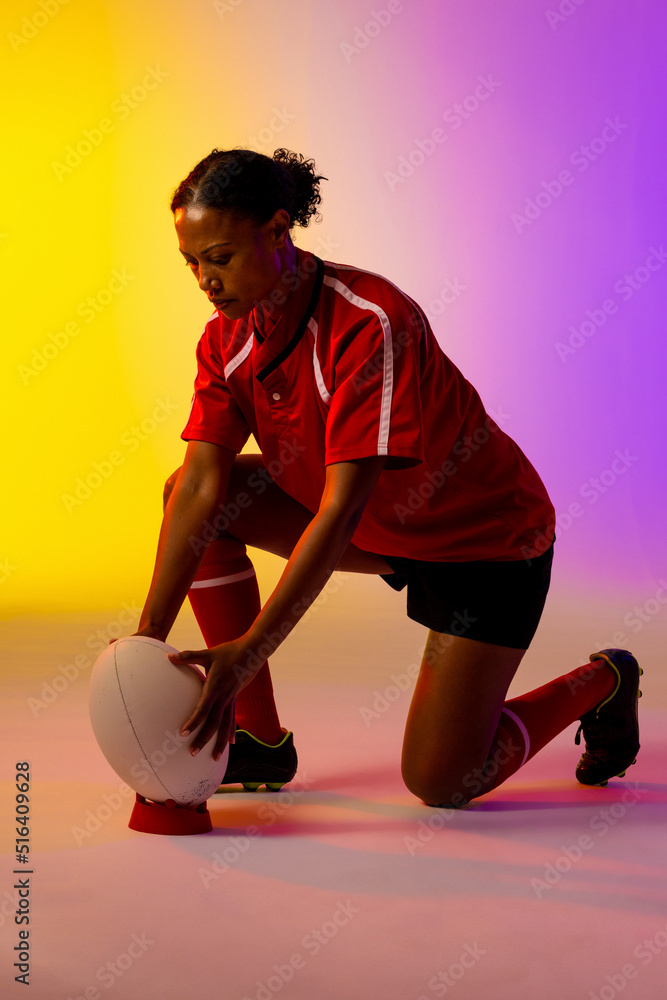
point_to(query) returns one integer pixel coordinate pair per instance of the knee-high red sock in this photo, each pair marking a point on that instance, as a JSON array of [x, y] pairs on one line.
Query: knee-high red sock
[[225, 599], [531, 721]]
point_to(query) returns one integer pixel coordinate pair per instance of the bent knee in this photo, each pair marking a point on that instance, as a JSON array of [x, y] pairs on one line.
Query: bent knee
[[439, 785], [169, 486]]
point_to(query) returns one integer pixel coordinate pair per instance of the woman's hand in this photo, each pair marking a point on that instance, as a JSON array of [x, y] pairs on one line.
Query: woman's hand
[[226, 675]]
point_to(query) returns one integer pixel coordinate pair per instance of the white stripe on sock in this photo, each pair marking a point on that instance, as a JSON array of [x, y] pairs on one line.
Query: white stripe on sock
[[219, 580], [523, 731]]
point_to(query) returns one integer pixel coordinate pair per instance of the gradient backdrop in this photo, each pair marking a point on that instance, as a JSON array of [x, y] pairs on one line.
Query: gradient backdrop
[[502, 161]]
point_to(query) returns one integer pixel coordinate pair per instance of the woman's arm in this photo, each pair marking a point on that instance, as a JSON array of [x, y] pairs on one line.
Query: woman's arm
[[232, 665], [201, 484]]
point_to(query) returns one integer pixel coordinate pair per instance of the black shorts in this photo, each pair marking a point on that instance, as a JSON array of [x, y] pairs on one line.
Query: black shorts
[[495, 602]]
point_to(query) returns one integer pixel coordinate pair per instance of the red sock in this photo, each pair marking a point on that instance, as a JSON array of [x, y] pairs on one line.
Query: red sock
[[530, 722], [225, 599]]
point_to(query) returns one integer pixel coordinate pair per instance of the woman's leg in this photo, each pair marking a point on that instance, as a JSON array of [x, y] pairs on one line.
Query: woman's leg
[[224, 594], [462, 739]]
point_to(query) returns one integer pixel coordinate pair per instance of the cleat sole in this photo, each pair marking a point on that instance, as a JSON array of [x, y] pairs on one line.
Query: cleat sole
[[251, 786]]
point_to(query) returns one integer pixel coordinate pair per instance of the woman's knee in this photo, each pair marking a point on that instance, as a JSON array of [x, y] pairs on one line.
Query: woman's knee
[[437, 784]]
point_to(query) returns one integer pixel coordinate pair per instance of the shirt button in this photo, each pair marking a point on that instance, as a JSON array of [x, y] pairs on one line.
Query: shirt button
[[276, 396]]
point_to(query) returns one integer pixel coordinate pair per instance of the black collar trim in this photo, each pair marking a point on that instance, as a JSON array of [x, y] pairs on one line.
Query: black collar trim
[[301, 329]]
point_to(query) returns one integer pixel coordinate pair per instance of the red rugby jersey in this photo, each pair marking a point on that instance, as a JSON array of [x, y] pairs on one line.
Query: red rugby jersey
[[350, 369]]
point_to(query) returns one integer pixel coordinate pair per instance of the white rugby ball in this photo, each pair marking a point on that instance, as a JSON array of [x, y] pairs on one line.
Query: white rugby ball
[[139, 701]]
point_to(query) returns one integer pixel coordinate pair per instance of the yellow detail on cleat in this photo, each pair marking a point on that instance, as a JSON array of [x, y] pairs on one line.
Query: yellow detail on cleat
[[602, 656], [640, 671], [251, 786], [621, 775], [274, 786], [640, 694], [273, 746]]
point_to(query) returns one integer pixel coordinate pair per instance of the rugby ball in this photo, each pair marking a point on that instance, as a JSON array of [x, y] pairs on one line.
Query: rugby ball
[[139, 701]]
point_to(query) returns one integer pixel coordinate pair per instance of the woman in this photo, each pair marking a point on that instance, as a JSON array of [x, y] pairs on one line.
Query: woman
[[377, 456]]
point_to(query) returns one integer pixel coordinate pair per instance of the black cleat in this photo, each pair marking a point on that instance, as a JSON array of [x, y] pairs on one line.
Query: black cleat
[[252, 763], [611, 730]]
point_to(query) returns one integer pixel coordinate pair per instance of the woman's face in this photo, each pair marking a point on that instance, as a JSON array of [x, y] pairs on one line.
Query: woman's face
[[236, 263]]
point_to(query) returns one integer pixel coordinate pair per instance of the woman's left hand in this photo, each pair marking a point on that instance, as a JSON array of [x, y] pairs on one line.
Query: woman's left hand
[[226, 675]]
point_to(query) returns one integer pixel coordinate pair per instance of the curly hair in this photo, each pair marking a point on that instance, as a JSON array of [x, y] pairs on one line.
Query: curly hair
[[252, 184]]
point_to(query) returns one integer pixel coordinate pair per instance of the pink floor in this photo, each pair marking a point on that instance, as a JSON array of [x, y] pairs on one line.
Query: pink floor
[[343, 885]]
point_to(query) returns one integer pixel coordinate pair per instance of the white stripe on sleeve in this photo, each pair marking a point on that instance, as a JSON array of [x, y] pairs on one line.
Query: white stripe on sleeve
[[388, 359], [322, 389], [239, 358]]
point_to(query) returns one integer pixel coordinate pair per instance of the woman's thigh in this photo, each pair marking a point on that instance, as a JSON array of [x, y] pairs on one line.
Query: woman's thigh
[[258, 513], [454, 714]]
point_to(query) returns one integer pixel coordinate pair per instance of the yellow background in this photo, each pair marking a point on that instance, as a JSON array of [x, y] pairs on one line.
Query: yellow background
[[363, 103], [87, 459]]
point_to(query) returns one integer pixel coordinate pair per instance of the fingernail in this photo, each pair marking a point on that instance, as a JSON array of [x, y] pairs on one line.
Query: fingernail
[[185, 732], [217, 756], [194, 751]]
